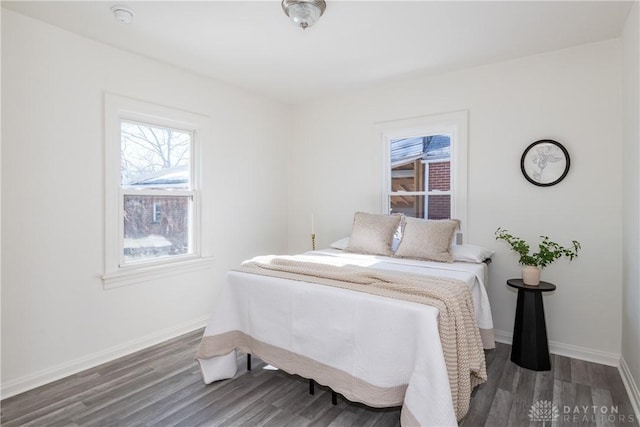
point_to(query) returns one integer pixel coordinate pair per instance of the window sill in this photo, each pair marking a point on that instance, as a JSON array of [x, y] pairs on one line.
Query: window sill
[[145, 274]]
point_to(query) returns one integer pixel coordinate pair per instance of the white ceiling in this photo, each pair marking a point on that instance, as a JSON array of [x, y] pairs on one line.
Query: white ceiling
[[253, 44]]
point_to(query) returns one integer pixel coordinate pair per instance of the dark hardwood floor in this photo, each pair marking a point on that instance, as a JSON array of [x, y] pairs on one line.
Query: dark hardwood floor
[[162, 386]]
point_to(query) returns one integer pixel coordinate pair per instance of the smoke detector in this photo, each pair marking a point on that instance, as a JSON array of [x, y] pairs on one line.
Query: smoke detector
[[123, 14]]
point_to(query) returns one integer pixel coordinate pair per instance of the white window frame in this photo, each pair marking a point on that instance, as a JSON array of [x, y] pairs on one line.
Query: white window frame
[[427, 192], [118, 108], [453, 124]]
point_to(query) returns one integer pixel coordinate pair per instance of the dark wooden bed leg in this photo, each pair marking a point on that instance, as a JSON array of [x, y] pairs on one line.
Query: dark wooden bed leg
[[312, 387], [334, 398], [248, 361]]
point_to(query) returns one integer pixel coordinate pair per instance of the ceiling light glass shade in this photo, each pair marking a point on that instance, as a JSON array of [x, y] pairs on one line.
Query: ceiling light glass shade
[[304, 13]]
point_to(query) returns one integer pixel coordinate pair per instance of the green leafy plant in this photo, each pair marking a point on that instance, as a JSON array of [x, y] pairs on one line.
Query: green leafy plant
[[548, 251]]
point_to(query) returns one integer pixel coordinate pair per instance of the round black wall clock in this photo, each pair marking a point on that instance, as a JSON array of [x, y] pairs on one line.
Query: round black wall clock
[[545, 163]]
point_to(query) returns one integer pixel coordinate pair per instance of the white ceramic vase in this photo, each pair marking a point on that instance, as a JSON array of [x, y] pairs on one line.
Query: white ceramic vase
[[531, 275]]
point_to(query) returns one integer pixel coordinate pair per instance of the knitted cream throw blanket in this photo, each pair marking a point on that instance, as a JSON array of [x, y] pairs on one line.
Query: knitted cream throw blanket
[[459, 334]]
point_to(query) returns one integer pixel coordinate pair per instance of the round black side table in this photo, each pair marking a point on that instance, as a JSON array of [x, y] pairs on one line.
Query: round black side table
[[530, 347]]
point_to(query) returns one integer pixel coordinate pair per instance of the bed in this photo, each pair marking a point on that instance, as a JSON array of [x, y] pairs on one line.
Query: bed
[[372, 348]]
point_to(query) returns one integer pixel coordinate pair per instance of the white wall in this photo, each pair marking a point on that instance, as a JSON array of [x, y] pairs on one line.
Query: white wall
[[631, 201], [572, 96], [56, 317]]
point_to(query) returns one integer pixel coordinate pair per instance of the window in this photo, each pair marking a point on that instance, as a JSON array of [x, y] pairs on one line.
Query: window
[[155, 170], [157, 212], [425, 166], [152, 188], [421, 176]]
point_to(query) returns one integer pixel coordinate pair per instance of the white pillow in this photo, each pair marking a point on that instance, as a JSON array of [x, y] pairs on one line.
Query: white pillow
[[373, 233], [344, 242], [470, 253], [427, 239], [340, 244]]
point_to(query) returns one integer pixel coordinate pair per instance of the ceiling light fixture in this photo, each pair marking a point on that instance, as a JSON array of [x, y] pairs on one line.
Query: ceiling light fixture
[[123, 14], [304, 13]]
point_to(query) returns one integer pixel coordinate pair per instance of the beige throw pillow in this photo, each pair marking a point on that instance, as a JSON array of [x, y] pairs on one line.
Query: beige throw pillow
[[373, 234], [427, 239]]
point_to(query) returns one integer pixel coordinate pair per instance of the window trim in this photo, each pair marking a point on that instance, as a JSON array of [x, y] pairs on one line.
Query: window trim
[[454, 124], [117, 108]]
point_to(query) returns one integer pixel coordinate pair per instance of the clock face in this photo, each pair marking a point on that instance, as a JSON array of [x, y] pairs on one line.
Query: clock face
[[545, 163]]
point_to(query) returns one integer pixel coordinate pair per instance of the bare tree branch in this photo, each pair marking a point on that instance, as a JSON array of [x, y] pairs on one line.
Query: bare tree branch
[[146, 149]]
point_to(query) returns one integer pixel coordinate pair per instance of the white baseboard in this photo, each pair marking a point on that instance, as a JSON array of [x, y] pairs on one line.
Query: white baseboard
[[631, 386], [569, 350], [45, 376]]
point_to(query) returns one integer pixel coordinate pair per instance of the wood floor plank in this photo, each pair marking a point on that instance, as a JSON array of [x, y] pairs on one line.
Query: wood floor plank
[[618, 393], [298, 398], [266, 413], [61, 416], [162, 386], [292, 393], [93, 386], [580, 372], [599, 375], [543, 389], [370, 416], [25, 403], [139, 398], [584, 400], [327, 416], [166, 405], [522, 398], [285, 418], [387, 419], [212, 396], [557, 402], [498, 358], [252, 411], [348, 417], [311, 412], [500, 408], [484, 394], [509, 377], [224, 406], [235, 409], [561, 368], [567, 394], [602, 399]]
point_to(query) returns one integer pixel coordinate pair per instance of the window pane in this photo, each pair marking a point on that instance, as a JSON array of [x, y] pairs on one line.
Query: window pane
[[437, 206], [408, 157], [409, 205], [440, 176], [408, 177], [154, 157], [421, 164], [156, 227]]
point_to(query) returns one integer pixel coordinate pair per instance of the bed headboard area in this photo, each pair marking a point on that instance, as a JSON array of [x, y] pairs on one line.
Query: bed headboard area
[[400, 236]]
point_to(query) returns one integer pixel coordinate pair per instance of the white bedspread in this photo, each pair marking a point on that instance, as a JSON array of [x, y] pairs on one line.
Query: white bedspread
[[375, 350], [474, 275]]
